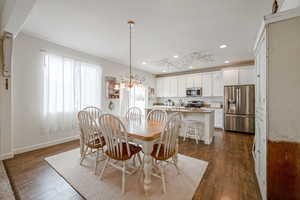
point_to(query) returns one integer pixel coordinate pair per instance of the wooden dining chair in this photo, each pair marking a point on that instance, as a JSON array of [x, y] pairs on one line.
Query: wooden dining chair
[[92, 137], [157, 115], [118, 146], [95, 112], [134, 113], [166, 149]]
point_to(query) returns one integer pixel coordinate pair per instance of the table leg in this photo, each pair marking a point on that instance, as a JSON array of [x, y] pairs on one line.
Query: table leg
[[147, 148]]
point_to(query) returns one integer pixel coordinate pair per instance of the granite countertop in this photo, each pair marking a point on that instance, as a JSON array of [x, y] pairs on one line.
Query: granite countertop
[[180, 109]]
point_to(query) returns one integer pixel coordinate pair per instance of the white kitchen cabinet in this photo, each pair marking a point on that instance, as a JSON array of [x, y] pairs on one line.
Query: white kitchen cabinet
[[181, 85], [159, 88], [197, 80], [231, 77], [189, 81], [239, 76], [206, 84], [173, 87], [219, 117], [217, 84], [247, 75]]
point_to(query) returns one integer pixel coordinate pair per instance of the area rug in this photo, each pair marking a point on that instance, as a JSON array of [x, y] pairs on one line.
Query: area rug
[[6, 192], [180, 186]]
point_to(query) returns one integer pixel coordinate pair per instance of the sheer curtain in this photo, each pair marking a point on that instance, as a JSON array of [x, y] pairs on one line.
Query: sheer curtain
[[69, 86]]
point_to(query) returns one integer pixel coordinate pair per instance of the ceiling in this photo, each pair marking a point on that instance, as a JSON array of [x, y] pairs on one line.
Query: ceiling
[[164, 28]]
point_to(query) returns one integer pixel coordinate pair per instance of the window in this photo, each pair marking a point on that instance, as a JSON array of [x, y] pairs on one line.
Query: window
[[138, 97], [69, 86]]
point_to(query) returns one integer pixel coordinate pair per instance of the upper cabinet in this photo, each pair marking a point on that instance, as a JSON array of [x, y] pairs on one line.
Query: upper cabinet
[[231, 77], [181, 86], [207, 84], [212, 83], [173, 87], [217, 84], [247, 75], [239, 76]]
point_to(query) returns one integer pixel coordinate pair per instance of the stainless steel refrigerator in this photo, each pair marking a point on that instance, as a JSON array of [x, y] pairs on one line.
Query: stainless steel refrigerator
[[239, 108]]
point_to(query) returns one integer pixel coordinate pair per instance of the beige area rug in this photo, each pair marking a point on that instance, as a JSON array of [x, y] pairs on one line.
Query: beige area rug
[[6, 192], [83, 180]]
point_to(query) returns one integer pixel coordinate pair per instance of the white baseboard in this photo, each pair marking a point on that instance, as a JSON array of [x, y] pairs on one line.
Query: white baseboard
[[46, 144], [6, 156]]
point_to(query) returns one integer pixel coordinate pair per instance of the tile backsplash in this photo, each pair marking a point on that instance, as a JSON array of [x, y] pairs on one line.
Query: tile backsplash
[[206, 100]]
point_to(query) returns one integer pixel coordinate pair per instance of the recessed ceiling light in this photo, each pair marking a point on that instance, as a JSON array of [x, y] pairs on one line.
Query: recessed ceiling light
[[227, 61], [175, 56], [144, 63], [191, 67], [223, 46]]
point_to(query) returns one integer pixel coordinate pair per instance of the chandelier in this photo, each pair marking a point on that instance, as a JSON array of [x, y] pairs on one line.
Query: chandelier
[[132, 79]]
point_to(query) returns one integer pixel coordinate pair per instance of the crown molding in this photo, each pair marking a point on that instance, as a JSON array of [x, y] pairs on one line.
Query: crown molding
[[210, 69]]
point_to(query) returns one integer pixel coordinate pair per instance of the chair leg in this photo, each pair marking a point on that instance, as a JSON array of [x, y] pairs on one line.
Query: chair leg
[[163, 178], [83, 155], [175, 161], [105, 164], [123, 177], [141, 169], [196, 135], [185, 132], [97, 160], [139, 157]]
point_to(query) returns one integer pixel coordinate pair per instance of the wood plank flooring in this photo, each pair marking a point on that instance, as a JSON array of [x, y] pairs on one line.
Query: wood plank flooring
[[230, 174]]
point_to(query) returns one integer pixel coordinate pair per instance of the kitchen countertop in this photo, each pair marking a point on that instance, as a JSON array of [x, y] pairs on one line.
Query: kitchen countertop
[[180, 109]]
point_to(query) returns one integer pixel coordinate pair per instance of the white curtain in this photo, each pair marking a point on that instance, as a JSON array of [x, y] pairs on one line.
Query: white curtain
[[69, 86]]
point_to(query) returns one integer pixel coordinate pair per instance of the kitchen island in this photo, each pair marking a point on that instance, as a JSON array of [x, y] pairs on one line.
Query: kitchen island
[[205, 117]]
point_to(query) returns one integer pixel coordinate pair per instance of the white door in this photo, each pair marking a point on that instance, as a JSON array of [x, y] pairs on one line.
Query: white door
[[206, 84]]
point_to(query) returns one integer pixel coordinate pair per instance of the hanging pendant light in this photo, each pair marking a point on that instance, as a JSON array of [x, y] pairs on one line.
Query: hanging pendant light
[[130, 24]]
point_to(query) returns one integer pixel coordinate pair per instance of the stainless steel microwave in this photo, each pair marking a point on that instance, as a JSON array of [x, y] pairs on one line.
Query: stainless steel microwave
[[193, 92]]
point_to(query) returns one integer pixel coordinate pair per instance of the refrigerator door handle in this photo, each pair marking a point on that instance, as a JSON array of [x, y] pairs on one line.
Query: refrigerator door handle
[[237, 100]]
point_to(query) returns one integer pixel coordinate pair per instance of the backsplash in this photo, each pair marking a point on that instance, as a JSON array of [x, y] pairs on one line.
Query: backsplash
[[206, 100]]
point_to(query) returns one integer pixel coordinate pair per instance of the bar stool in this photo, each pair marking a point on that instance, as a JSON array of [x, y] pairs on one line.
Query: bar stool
[[193, 128]]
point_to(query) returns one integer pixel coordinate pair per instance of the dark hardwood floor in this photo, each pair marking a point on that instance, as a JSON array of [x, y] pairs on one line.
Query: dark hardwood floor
[[230, 174]]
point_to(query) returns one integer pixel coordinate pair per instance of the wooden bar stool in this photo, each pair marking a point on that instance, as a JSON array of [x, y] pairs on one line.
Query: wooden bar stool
[[194, 129]]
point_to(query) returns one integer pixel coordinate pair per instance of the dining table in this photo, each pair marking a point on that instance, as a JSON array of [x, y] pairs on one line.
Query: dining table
[[146, 133]]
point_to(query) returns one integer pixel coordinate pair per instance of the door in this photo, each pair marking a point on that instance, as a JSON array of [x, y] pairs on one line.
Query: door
[[245, 100]]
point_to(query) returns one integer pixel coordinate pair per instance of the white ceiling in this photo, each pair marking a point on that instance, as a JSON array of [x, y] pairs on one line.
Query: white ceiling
[[163, 28]]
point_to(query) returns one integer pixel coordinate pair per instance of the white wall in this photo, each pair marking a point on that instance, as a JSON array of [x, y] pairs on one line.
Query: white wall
[[27, 89]]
